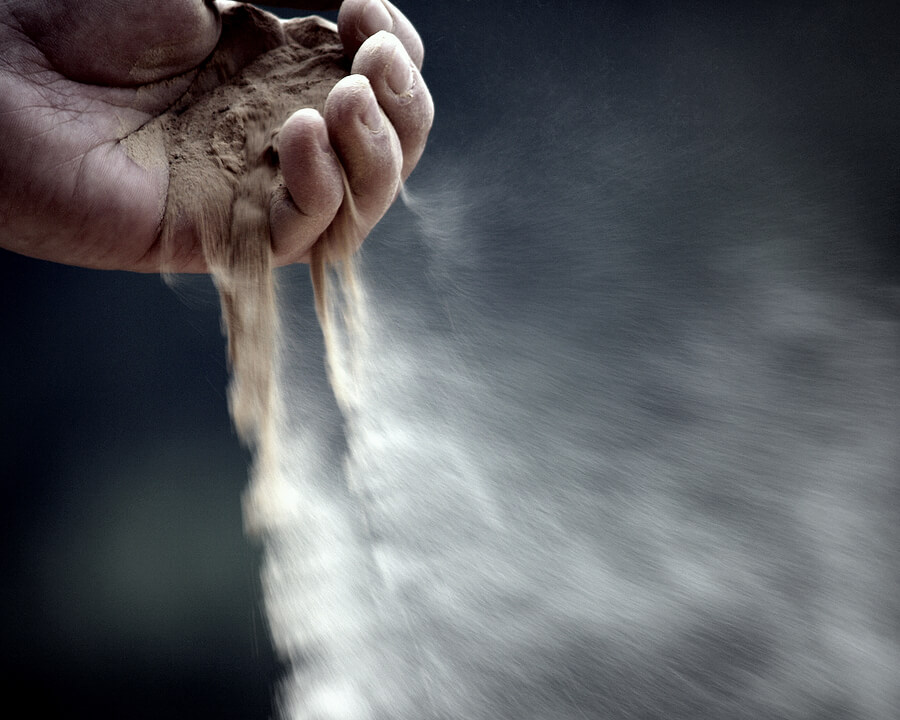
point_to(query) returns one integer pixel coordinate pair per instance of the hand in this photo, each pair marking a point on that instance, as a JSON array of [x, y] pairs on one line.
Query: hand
[[75, 78]]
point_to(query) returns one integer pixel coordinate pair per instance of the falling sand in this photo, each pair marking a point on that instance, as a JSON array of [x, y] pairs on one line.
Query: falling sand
[[221, 145]]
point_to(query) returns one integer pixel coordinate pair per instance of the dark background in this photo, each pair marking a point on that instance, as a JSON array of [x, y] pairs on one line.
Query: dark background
[[676, 132]]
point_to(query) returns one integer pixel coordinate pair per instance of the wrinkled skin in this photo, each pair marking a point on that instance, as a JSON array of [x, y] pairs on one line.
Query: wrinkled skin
[[77, 77]]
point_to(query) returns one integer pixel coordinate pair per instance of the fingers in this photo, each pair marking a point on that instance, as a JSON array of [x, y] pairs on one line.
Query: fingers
[[369, 151], [361, 19], [400, 91], [347, 187], [343, 171], [304, 4], [314, 187]]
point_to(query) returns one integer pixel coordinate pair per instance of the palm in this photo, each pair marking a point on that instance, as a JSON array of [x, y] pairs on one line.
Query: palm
[[67, 108]]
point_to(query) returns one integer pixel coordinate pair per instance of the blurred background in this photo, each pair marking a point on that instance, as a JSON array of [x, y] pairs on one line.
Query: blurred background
[[668, 232]]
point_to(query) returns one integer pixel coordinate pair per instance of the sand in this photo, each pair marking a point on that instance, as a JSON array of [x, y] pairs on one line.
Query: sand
[[221, 144]]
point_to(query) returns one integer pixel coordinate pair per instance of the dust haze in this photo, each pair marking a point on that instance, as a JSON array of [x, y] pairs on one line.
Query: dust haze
[[625, 438]]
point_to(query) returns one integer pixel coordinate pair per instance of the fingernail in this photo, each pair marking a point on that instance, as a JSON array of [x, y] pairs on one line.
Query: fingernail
[[371, 115], [374, 17], [400, 73]]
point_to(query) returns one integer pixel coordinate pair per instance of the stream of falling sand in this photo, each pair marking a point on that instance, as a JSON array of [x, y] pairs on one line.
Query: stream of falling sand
[[221, 145]]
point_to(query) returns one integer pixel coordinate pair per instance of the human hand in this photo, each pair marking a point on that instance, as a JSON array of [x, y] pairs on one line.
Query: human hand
[[76, 78]]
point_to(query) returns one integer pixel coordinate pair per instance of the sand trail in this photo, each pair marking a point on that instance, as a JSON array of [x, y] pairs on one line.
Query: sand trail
[[220, 140]]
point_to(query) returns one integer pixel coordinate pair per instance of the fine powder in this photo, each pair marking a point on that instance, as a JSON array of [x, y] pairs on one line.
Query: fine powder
[[220, 140]]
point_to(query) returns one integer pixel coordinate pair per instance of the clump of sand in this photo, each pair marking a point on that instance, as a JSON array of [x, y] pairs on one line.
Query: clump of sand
[[220, 139]]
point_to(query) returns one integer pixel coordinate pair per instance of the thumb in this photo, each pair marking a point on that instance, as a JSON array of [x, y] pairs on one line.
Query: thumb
[[120, 42]]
